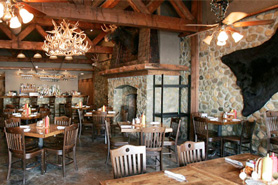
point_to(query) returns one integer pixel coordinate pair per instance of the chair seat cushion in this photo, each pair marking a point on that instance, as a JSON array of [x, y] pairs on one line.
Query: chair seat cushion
[[119, 141], [274, 140]]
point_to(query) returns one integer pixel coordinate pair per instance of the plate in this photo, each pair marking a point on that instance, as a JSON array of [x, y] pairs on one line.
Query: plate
[[27, 130]]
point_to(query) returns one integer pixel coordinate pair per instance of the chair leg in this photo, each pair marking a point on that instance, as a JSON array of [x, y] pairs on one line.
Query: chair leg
[[176, 154], [108, 154], [250, 149], [239, 149], [223, 148], [80, 129], [169, 149], [10, 165], [64, 165], [74, 158], [24, 171], [161, 161]]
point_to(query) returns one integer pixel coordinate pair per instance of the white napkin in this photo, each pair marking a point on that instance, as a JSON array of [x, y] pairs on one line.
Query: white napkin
[[18, 115], [126, 126], [24, 126], [20, 109], [175, 176], [155, 123], [213, 119], [111, 112], [14, 114], [33, 109], [26, 129], [87, 106], [235, 163], [60, 127], [32, 115], [235, 119], [204, 115], [89, 113]]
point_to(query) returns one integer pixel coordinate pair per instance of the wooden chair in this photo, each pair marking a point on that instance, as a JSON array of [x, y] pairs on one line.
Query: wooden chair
[[16, 148], [68, 146], [113, 142], [203, 133], [98, 119], [84, 123], [191, 152], [44, 112], [172, 140], [244, 138], [8, 112], [153, 139], [128, 160], [10, 106], [271, 122], [12, 122], [62, 121]]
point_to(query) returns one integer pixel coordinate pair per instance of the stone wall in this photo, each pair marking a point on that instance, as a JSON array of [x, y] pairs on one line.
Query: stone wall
[[218, 91]]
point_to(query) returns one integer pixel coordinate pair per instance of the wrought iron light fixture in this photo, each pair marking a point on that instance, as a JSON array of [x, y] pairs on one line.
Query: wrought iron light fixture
[[65, 40], [13, 14]]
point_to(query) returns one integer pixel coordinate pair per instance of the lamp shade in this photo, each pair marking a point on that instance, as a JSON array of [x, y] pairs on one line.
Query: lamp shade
[[53, 57], [208, 39], [37, 55], [14, 23], [68, 58], [221, 43], [222, 36], [237, 37], [21, 55], [25, 15]]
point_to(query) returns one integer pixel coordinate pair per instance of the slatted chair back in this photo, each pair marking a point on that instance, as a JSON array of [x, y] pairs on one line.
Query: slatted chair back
[[99, 118], [10, 106], [153, 138], [175, 125], [191, 152], [247, 130], [62, 121], [70, 137], [271, 121], [12, 122], [128, 160], [15, 140], [200, 127], [8, 112], [44, 112]]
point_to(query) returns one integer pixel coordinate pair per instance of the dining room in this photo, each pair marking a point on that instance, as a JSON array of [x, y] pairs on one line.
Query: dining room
[[138, 92]]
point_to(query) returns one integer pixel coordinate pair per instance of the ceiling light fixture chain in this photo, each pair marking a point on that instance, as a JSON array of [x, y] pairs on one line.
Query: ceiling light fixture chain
[[65, 40], [219, 7]]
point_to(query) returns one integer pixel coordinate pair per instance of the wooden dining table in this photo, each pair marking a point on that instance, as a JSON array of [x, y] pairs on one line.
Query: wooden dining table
[[41, 132], [29, 117], [212, 172], [137, 128], [221, 122]]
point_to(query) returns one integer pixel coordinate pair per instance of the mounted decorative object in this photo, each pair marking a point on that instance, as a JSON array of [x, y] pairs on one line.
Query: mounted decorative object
[[9, 12], [65, 40], [225, 25]]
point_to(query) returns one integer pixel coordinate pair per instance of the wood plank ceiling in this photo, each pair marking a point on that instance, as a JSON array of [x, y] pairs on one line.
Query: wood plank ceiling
[[91, 15]]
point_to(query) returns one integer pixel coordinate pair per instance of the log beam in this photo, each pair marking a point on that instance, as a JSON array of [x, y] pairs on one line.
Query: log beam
[[153, 5], [98, 38], [181, 9], [110, 3], [112, 16], [29, 45], [47, 68], [138, 6]]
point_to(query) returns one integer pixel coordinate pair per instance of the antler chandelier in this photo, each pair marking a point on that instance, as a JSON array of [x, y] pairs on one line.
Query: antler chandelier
[[65, 40]]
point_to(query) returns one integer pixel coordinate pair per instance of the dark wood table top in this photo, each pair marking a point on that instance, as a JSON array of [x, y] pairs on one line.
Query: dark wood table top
[[40, 132], [213, 172], [137, 128], [221, 121], [30, 117], [109, 115]]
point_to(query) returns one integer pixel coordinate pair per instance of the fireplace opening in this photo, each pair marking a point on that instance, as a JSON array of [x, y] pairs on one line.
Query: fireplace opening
[[125, 102]]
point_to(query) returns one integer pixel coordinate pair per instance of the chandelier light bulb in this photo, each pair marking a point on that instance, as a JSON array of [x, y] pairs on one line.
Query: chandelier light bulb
[[237, 37], [222, 36], [221, 43], [1, 10], [25, 15], [208, 39], [14, 23]]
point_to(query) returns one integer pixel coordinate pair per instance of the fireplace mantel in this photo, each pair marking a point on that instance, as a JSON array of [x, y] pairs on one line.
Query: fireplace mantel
[[144, 69]]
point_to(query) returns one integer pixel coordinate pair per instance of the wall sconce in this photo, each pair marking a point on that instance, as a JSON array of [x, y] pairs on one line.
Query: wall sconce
[[21, 55]]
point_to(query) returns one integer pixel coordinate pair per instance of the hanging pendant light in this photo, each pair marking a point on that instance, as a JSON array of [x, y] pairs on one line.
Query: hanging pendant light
[[21, 55], [14, 23], [37, 55], [25, 15], [53, 57]]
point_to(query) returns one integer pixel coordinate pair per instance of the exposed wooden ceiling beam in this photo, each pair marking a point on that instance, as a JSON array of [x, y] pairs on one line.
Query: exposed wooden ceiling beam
[[47, 68], [153, 5], [7, 31], [111, 16], [181, 9], [138, 6], [96, 3], [98, 38], [110, 3], [29, 45], [44, 60], [45, 1], [41, 31], [46, 21], [26, 31]]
